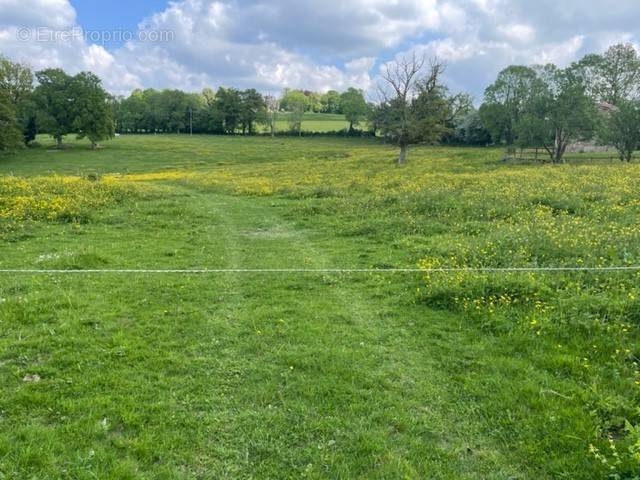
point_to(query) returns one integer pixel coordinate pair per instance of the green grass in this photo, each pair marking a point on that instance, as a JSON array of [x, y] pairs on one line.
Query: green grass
[[314, 122], [314, 375]]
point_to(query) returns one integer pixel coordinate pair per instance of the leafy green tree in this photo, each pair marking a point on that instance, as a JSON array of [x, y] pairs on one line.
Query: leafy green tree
[[495, 117], [433, 109], [470, 130], [207, 118], [292, 99], [314, 101], [375, 118], [30, 131], [174, 110], [16, 80], [330, 102], [92, 112], [179, 108], [353, 106], [459, 106], [16, 83], [559, 112], [295, 116], [252, 109], [613, 77], [154, 119], [621, 128], [10, 136], [132, 113], [54, 98], [229, 106], [506, 100], [194, 102]]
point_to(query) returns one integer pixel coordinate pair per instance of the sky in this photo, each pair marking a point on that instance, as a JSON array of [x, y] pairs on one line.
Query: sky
[[310, 44]]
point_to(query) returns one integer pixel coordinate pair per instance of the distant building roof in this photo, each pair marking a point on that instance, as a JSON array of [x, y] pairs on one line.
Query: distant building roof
[[606, 107]]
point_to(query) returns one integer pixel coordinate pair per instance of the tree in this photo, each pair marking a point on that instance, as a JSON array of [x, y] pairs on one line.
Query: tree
[[175, 110], [154, 119], [92, 113], [194, 102], [16, 80], [252, 109], [470, 130], [30, 131], [496, 119], [460, 105], [207, 117], [413, 102], [457, 108], [10, 137], [612, 77], [621, 128], [434, 111], [559, 112], [375, 118], [330, 102], [292, 99], [295, 117], [273, 106], [228, 105], [54, 99], [132, 113], [353, 106], [16, 83], [314, 101], [505, 101]]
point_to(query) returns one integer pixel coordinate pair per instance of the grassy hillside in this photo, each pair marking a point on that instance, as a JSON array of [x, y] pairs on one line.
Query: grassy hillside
[[315, 375]]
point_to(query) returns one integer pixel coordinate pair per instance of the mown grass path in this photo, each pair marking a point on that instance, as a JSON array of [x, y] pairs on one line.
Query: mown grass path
[[229, 375]]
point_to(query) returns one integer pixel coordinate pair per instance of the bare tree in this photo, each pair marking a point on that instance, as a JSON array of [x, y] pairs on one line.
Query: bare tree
[[405, 80]]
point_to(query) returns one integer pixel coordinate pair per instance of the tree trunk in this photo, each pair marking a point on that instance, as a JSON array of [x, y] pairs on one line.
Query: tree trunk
[[559, 147], [59, 142], [94, 145], [403, 154]]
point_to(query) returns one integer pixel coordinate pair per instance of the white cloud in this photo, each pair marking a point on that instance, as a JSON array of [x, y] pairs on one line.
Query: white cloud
[[322, 44], [518, 32], [35, 13], [98, 60], [560, 53]]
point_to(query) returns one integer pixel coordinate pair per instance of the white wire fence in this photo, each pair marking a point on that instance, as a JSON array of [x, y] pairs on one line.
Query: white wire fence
[[204, 271]]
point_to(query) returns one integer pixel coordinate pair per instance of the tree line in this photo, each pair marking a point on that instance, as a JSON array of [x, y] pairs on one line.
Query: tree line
[[596, 98], [230, 110], [53, 102], [60, 104]]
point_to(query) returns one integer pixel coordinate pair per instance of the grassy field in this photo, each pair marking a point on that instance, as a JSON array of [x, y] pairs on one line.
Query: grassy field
[[313, 122], [315, 375]]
